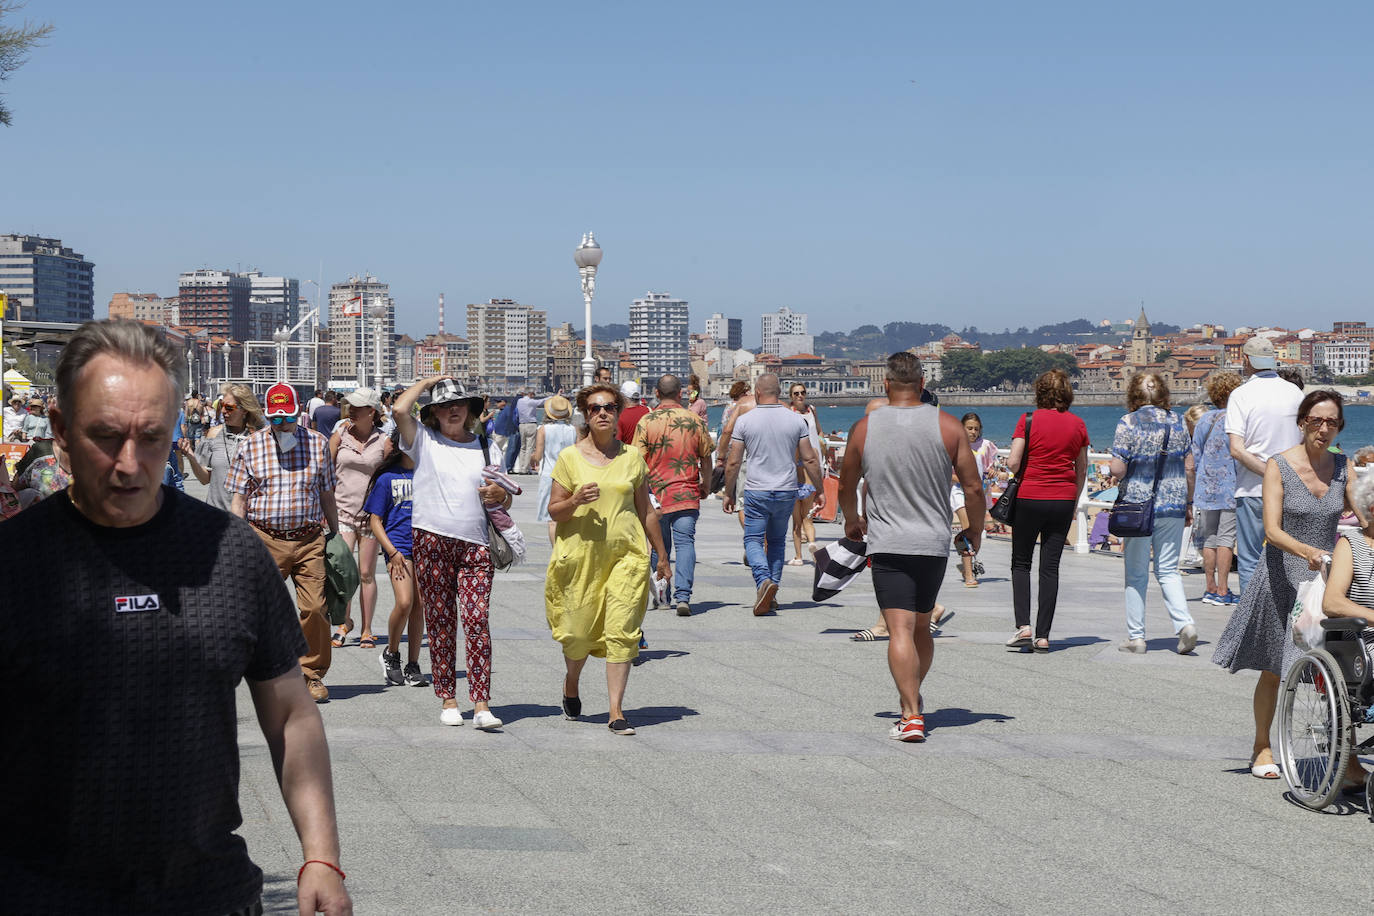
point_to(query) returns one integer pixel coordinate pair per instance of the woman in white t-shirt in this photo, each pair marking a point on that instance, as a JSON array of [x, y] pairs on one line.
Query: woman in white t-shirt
[[453, 568]]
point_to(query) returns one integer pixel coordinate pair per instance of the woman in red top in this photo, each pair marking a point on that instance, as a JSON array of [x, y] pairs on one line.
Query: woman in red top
[[1051, 480]]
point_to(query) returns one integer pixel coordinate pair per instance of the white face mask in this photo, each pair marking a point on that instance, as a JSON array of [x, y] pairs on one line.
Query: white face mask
[[285, 440]]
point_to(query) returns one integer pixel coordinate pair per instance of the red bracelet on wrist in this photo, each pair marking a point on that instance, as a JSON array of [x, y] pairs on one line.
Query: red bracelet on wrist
[[342, 876]]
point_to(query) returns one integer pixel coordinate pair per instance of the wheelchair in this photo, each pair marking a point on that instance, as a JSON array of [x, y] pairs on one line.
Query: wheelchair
[[1327, 695]]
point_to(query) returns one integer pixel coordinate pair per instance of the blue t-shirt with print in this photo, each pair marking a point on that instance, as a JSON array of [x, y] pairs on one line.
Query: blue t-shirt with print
[[390, 500], [1216, 469], [1139, 438]]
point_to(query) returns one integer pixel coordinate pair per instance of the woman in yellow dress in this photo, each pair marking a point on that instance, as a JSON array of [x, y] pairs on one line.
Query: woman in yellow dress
[[598, 581]]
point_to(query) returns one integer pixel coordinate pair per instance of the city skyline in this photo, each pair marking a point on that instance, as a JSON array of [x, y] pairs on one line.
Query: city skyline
[[901, 162]]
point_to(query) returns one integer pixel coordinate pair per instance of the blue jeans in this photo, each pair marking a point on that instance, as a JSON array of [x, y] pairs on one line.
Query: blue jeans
[[1167, 541], [512, 451], [1249, 535], [679, 533], [767, 514]]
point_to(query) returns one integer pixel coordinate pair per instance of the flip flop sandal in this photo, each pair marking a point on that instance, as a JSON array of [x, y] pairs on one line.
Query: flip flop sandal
[[867, 635], [340, 636], [367, 642]]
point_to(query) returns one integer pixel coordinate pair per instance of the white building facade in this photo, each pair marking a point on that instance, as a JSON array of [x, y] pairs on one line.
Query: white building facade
[[507, 345], [783, 321], [1343, 356], [727, 333], [658, 336]]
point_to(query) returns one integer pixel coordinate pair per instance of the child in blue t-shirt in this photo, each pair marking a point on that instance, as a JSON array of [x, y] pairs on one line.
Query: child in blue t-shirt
[[388, 502]]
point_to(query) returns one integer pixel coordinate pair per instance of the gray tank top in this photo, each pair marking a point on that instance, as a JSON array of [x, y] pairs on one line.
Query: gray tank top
[[908, 473]]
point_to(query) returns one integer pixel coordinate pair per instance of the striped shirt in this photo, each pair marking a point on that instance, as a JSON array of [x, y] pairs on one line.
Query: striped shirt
[[1361, 589], [283, 488]]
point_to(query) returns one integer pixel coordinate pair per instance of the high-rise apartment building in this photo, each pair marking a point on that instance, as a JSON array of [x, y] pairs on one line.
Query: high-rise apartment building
[[354, 331], [783, 321], [274, 303], [728, 333], [216, 300], [658, 336], [45, 281], [508, 344], [139, 307]]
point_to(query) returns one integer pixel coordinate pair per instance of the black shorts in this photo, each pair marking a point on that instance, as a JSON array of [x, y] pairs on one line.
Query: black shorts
[[910, 583]]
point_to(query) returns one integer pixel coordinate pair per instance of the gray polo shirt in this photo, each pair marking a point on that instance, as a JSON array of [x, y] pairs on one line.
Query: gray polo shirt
[[770, 433]]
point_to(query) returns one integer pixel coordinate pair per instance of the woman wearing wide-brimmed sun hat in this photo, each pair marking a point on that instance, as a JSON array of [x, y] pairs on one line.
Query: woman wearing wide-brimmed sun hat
[[555, 434], [453, 568]]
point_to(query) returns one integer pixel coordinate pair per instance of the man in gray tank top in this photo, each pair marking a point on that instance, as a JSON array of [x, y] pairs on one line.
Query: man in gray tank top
[[905, 453]]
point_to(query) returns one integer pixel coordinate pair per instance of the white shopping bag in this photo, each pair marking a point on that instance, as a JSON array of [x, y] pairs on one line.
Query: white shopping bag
[[1307, 614]]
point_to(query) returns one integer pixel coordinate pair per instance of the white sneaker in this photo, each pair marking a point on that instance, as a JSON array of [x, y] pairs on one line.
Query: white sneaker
[[485, 721], [1187, 639], [451, 716]]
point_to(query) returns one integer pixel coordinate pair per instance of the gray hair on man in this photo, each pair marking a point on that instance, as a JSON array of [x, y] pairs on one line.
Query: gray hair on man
[[904, 369], [767, 385], [129, 340], [669, 386]]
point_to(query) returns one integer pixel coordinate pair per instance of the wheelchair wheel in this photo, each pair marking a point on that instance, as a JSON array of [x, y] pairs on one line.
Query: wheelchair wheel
[[1314, 721]]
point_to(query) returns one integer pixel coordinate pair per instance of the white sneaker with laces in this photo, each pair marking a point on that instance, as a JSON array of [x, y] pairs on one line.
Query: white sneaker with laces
[[451, 716], [485, 721]]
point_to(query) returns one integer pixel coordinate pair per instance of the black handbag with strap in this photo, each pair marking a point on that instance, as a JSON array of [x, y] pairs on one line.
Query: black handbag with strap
[[1137, 519], [1005, 508]]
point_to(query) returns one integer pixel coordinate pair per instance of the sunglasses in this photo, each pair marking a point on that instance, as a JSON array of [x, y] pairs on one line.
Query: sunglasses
[[280, 421], [799, 391], [1316, 422], [593, 409], [228, 407]]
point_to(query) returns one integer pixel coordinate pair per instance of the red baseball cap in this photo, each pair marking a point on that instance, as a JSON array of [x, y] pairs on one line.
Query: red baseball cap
[[281, 401]]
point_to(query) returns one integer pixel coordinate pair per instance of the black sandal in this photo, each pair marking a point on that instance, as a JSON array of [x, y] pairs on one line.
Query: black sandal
[[572, 707], [621, 727]]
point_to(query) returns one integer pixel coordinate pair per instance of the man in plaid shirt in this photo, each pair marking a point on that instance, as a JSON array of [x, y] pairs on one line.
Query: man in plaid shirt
[[283, 484]]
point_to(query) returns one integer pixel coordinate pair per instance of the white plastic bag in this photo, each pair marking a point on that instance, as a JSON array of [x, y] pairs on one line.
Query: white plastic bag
[[1307, 614]]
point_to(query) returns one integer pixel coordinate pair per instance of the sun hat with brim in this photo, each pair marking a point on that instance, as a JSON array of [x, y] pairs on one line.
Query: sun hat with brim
[[1260, 352], [364, 397], [558, 407], [448, 391]]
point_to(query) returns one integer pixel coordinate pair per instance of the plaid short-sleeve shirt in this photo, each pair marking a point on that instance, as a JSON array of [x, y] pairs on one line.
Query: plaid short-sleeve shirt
[[283, 488]]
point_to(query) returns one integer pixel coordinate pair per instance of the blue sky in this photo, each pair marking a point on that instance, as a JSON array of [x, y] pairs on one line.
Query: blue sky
[[995, 164]]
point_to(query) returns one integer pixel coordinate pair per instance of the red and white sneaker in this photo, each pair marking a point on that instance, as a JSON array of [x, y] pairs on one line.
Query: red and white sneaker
[[912, 729]]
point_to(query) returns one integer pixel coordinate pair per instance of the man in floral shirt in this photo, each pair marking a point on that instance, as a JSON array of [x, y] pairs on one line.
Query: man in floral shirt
[[677, 448]]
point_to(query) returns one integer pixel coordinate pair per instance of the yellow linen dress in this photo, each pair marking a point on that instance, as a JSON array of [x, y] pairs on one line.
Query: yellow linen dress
[[598, 580]]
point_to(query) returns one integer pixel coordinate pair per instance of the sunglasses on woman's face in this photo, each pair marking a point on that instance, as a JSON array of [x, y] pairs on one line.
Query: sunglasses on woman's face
[[1317, 422], [229, 407], [594, 409]]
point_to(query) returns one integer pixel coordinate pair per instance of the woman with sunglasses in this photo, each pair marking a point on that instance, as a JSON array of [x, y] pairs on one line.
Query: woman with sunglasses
[[212, 455], [597, 585], [358, 447], [1305, 493], [803, 528]]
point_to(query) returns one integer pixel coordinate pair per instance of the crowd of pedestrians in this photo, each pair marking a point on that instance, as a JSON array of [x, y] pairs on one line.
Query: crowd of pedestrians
[[419, 476]]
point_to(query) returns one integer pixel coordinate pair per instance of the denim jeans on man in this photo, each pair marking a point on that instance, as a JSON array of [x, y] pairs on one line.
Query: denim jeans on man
[[679, 534], [1249, 535], [1167, 542], [766, 516]]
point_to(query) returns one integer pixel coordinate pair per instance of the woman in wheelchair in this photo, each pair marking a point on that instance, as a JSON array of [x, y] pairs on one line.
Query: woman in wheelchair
[[1350, 589]]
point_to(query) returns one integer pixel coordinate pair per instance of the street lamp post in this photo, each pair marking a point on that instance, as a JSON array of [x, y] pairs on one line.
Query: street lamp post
[[281, 336], [190, 369], [588, 256], [378, 318], [226, 361]]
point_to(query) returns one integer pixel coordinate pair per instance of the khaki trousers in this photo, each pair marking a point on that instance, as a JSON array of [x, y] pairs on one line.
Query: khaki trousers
[[303, 563]]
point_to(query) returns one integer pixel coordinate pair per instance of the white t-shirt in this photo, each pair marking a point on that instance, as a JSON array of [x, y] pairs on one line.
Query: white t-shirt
[[770, 433], [1264, 413], [447, 475], [310, 406]]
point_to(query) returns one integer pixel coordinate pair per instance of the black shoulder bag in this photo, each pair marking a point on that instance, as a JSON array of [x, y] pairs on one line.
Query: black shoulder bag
[[1005, 508], [502, 555], [1134, 520]]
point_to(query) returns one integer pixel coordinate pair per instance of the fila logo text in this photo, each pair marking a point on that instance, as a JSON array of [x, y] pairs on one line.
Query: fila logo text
[[127, 604]]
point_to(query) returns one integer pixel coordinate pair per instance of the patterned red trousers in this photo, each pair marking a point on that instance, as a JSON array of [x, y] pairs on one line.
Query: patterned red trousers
[[454, 579]]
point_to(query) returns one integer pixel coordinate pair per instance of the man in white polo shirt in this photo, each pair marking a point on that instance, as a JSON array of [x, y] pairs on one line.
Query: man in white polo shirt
[[1261, 420]]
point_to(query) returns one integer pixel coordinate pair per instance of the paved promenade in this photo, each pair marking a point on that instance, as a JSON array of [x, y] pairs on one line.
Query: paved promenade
[[762, 780]]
